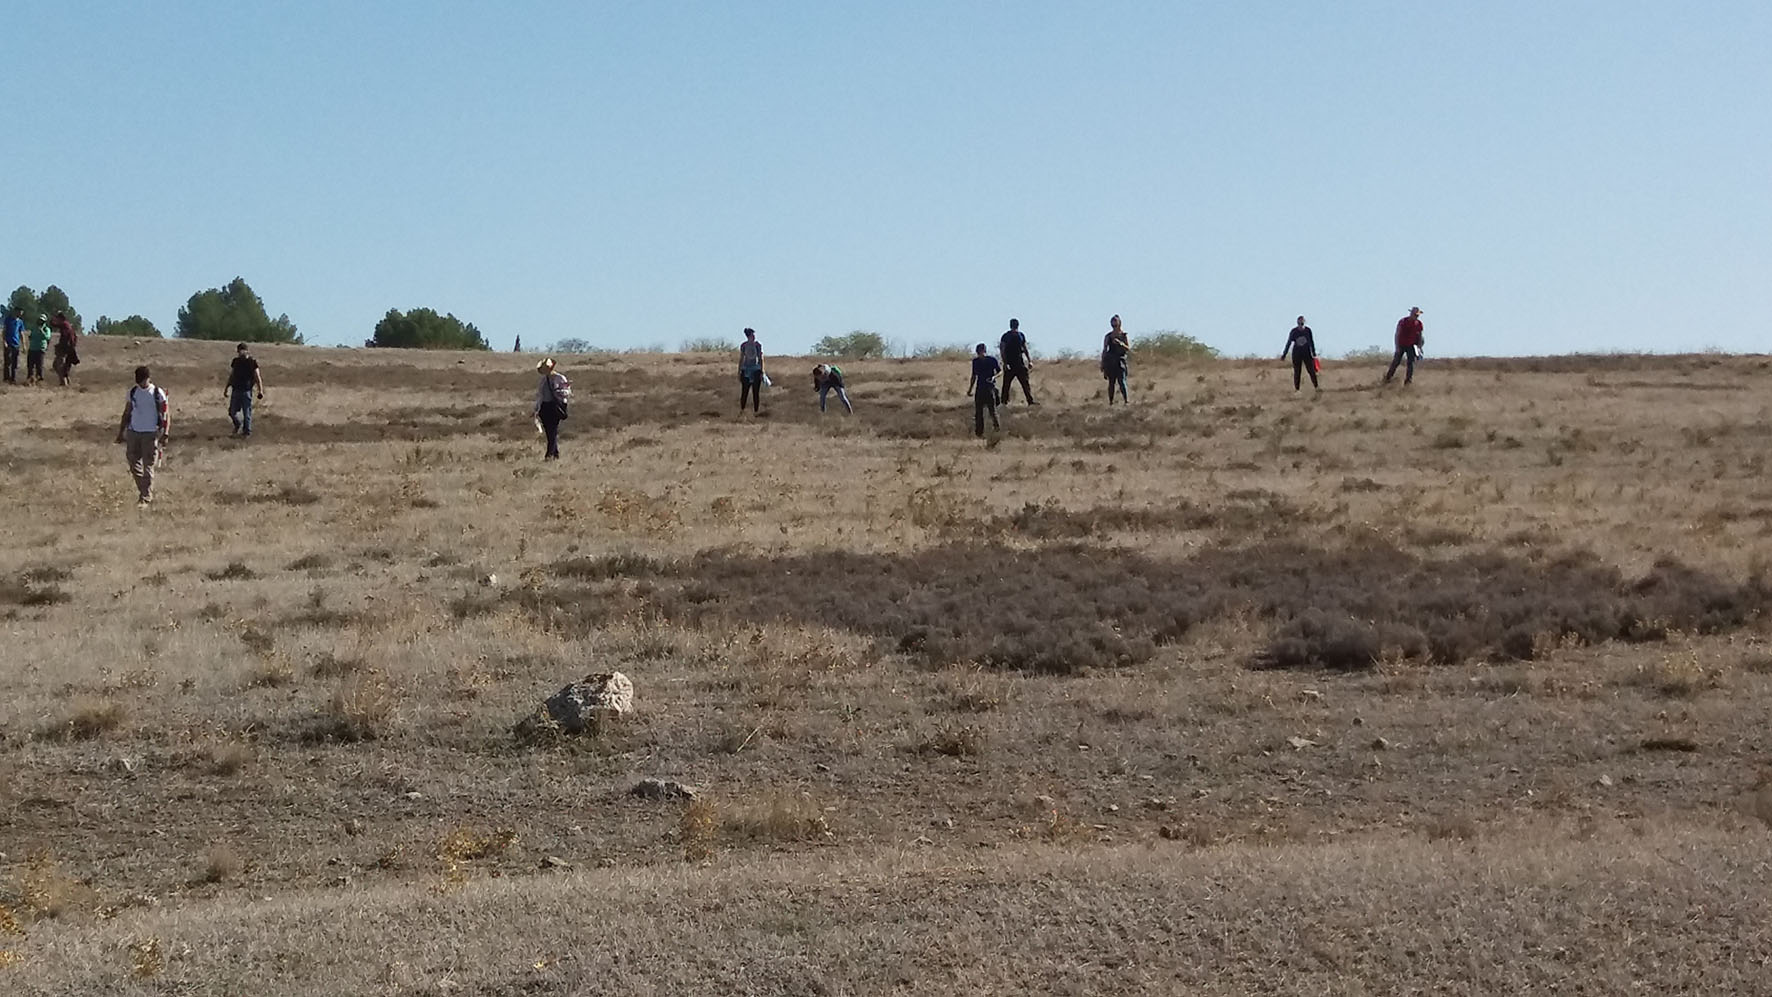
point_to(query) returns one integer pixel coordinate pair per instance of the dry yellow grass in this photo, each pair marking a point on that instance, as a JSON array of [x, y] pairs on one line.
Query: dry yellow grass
[[971, 718]]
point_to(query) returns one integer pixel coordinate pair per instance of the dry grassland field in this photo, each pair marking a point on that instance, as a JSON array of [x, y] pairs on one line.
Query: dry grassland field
[[1457, 689]]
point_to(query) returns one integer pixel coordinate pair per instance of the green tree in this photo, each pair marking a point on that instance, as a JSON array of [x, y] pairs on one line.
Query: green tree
[[857, 345], [1171, 345], [233, 313], [571, 344], [424, 329], [23, 303], [54, 299], [134, 325]]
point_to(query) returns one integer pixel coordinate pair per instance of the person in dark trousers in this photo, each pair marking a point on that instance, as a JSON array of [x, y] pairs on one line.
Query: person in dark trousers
[[143, 432], [244, 380], [39, 342], [1116, 354], [827, 378], [551, 397], [1409, 343], [14, 337], [750, 371], [1303, 348], [983, 389], [67, 348], [1017, 361]]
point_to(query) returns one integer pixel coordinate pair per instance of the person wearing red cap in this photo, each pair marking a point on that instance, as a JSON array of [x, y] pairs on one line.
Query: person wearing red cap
[[1409, 342]]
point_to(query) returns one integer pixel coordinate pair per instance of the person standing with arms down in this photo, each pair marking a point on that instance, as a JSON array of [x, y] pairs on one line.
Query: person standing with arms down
[[244, 378], [551, 397], [750, 371], [1017, 361], [40, 334], [983, 389], [67, 352], [1409, 343], [1303, 347], [1116, 358], [143, 432], [14, 337], [827, 378]]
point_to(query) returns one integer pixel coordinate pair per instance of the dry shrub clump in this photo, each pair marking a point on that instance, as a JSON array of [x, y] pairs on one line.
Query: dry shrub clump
[[1067, 607], [89, 719], [222, 863], [361, 709], [780, 815]]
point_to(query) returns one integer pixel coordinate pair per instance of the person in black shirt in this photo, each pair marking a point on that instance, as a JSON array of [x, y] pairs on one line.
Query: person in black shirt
[[244, 379], [983, 389], [1303, 348], [1013, 348]]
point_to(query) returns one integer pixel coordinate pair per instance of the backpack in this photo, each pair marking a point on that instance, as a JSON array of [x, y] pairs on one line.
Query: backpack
[[555, 400]]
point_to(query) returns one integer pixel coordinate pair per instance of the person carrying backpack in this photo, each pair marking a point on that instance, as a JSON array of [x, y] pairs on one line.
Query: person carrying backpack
[[1303, 347], [983, 389], [143, 432], [67, 352], [827, 378], [1017, 361], [551, 397], [750, 372]]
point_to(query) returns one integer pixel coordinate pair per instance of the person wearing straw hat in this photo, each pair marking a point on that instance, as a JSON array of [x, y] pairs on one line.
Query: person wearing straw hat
[[551, 396], [1409, 341]]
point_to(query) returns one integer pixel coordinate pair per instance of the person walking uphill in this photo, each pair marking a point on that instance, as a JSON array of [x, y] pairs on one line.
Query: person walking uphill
[[143, 432], [1303, 347], [551, 397], [244, 378], [983, 389], [1017, 361], [67, 352], [1116, 354], [750, 371], [827, 378], [1409, 343], [40, 334], [13, 334]]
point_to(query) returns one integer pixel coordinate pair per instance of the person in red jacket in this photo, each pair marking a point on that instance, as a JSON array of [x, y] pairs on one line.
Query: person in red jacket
[[1408, 345]]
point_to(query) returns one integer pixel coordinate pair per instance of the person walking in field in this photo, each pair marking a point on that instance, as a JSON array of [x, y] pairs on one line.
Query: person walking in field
[[983, 389], [143, 432], [1017, 361], [244, 379], [750, 371], [13, 334], [827, 378], [1303, 347], [39, 343], [1409, 343], [67, 352], [551, 397], [1116, 358]]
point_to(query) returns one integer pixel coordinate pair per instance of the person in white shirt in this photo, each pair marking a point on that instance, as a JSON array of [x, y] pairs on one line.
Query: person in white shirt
[[143, 431]]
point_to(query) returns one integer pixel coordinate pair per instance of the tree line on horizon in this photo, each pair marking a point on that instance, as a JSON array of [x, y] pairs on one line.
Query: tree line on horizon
[[235, 313]]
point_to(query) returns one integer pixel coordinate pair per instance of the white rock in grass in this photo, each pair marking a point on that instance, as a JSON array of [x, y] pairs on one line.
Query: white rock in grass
[[581, 707]]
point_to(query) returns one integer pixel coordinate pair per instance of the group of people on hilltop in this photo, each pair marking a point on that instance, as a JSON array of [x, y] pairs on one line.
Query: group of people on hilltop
[[33, 340]]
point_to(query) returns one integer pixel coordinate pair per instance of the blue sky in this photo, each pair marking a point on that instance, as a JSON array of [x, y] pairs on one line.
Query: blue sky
[[1539, 177]]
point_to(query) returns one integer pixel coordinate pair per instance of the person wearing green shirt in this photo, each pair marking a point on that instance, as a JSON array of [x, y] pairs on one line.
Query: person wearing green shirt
[[39, 344]]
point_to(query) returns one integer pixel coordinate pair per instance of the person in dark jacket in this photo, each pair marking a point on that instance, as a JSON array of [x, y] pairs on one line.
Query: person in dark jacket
[[1017, 361], [983, 388], [1409, 343], [1116, 355], [1303, 348], [551, 398]]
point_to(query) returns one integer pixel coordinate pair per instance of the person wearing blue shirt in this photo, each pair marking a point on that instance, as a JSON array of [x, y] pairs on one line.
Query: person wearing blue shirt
[[15, 339], [983, 389]]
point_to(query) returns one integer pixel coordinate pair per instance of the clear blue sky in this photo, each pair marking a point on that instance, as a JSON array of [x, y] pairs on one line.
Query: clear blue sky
[[1538, 177]]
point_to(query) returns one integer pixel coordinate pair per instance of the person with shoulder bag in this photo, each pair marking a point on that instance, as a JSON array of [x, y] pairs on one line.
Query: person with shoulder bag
[[552, 396]]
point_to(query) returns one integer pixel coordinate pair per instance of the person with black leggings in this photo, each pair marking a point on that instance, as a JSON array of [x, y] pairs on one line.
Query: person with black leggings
[[1303, 348]]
